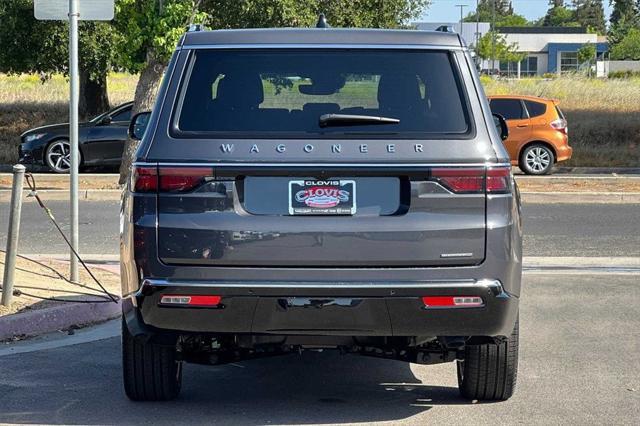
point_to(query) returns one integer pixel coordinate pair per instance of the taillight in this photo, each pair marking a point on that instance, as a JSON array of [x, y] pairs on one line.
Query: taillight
[[452, 301], [183, 179], [460, 180], [144, 179], [498, 180], [560, 125], [494, 180], [169, 179], [190, 300]]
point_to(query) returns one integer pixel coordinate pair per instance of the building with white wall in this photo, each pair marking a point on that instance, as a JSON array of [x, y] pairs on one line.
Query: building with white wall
[[548, 49]]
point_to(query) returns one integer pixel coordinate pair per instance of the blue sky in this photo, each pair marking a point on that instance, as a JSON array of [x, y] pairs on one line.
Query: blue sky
[[446, 11]]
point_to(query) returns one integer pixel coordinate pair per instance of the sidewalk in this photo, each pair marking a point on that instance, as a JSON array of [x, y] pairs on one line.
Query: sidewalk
[[46, 303]]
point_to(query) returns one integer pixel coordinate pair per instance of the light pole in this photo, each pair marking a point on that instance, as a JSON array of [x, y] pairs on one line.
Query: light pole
[[493, 36], [477, 24], [461, 6]]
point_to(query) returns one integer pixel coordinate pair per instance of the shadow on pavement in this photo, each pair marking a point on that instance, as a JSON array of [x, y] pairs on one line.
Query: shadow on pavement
[[82, 385]]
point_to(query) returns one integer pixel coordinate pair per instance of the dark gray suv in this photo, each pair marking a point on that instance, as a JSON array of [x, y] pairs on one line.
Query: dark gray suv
[[320, 188]]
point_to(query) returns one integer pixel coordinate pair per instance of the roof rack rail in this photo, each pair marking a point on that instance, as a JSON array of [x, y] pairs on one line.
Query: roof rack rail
[[446, 29]]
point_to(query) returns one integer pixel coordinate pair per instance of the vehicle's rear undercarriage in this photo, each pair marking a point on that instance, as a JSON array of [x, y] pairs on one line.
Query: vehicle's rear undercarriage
[[222, 349]]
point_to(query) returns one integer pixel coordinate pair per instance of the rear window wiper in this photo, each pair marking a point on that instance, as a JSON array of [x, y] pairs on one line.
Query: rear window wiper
[[327, 120]]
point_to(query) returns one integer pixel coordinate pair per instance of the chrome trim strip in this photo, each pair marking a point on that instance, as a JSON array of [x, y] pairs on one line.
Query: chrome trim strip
[[323, 165], [495, 285], [320, 46]]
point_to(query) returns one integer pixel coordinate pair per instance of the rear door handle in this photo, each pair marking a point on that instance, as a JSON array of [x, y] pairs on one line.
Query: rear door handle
[[522, 125]]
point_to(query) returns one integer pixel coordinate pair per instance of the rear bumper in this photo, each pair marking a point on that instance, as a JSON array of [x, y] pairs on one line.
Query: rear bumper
[[323, 309], [563, 153]]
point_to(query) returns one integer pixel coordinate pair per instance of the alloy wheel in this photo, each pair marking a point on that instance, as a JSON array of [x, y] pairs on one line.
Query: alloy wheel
[[538, 159], [59, 156]]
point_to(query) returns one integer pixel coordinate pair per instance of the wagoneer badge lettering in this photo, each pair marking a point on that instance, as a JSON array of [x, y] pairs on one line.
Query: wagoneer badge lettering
[[448, 255], [228, 148]]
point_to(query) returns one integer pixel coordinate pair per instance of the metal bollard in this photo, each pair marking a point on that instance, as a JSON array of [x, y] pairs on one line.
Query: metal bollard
[[12, 235]]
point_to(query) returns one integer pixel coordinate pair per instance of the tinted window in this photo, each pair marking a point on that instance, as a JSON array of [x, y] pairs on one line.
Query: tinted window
[[535, 109], [123, 115], [510, 109], [284, 92]]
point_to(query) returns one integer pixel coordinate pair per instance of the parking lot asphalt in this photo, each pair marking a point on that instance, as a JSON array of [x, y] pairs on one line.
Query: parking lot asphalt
[[595, 230], [579, 364]]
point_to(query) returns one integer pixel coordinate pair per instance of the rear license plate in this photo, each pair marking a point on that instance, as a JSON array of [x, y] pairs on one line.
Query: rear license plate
[[322, 197]]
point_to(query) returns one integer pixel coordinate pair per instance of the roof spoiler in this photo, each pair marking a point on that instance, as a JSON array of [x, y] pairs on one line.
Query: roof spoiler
[[192, 28], [322, 22], [446, 29]]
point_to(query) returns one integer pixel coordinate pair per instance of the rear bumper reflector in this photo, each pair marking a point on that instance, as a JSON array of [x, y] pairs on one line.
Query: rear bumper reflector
[[189, 300], [452, 301]]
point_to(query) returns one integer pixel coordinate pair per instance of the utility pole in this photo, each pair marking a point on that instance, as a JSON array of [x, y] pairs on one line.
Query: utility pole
[[74, 15]]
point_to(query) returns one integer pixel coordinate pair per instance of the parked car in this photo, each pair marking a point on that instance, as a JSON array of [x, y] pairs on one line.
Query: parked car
[[276, 206], [101, 142], [538, 133]]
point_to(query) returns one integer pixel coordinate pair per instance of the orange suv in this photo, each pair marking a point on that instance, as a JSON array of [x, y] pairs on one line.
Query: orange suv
[[537, 132]]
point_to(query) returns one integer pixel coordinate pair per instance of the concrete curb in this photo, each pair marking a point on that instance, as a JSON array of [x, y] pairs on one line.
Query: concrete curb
[[528, 197], [48, 320], [581, 197]]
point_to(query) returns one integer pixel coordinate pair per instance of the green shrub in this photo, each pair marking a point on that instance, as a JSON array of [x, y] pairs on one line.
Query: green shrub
[[624, 74]]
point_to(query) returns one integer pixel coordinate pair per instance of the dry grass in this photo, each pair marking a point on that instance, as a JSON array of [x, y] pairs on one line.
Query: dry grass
[[603, 115], [26, 102]]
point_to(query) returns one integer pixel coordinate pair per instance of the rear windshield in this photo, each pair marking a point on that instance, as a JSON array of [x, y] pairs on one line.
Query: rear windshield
[[284, 93]]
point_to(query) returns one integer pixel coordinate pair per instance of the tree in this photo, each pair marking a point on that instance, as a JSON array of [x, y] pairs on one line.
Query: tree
[[297, 13], [624, 12], [504, 14], [586, 56], [502, 7], [559, 16], [32, 46], [586, 53], [149, 30], [590, 14], [624, 16], [628, 48], [513, 20], [494, 46]]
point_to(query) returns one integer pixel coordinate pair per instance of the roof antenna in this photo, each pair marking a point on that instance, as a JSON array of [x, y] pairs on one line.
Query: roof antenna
[[322, 22]]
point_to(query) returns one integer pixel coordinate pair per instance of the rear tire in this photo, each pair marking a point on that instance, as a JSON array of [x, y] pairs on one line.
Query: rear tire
[[537, 159], [151, 372], [489, 371]]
